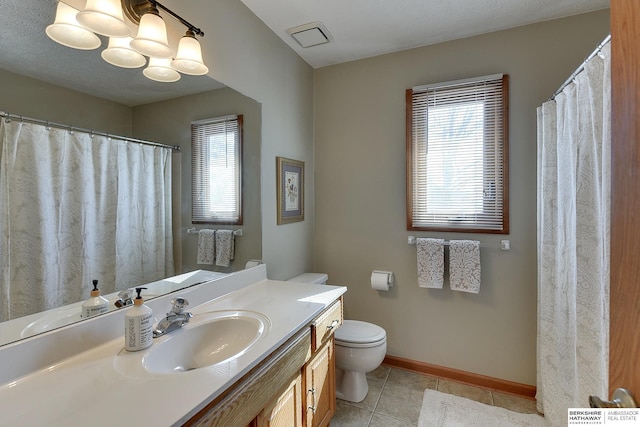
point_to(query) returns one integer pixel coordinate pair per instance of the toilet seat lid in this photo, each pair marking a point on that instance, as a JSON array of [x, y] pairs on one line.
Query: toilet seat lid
[[355, 331]]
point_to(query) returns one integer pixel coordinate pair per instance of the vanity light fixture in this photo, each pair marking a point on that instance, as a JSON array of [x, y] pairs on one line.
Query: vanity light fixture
[[151, 39], [159, 69], [119, 53], [104, 17], [189, 57], [67, 31], [77, 29]]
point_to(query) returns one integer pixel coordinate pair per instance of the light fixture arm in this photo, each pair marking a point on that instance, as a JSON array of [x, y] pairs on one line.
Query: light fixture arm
[[190, 26], [134, 9]]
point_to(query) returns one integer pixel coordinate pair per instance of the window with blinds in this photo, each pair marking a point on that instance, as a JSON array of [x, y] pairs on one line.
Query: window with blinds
[[457, 156], [216, 168]]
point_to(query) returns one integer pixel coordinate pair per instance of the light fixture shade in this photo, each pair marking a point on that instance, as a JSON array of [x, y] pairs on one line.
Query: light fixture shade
[[120, 54], [160, 70], [151, 39], [189, 57], [104, 17], [68, 32]]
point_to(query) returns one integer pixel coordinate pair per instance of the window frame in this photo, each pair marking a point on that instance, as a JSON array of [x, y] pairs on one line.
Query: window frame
[[462, 227], [239, 174]]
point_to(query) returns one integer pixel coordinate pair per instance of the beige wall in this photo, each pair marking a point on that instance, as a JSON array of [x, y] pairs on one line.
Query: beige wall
[[169, 122], [40, 100], [243, 53], [360, 195]]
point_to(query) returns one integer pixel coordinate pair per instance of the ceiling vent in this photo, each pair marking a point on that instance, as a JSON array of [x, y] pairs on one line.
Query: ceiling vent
[[311, 34]]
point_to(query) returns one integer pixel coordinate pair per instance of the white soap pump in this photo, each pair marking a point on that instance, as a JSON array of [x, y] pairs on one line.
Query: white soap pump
[[96, 304], [138, 325]]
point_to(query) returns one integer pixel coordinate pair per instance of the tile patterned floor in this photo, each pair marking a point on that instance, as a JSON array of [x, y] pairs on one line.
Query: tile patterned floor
[[395, 398]]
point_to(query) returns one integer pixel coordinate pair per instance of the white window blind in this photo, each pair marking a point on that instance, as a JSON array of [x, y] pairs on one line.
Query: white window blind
[[216, 165], [457, 156]]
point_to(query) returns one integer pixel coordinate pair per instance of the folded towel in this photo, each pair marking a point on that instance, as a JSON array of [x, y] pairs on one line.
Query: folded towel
[[225, 247], [206, 246], [430, 262], [464, 265]]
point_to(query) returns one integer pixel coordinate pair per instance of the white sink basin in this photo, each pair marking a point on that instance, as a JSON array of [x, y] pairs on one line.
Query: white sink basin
[[209, 338], [52, 320]]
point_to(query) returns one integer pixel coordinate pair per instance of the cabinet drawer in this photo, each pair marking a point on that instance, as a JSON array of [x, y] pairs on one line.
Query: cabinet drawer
[[326, 324]]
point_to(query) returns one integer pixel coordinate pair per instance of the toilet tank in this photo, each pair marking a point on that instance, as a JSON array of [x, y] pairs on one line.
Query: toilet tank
[[315, 278]]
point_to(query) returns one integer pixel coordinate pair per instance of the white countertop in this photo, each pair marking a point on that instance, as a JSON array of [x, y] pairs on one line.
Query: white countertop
[[98, 387]]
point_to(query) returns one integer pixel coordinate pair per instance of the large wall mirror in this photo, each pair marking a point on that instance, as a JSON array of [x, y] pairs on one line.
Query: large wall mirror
[[44, 80]]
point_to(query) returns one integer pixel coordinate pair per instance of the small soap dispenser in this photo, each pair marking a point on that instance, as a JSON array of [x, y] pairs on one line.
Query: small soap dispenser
[[96, 304], [138, 325]]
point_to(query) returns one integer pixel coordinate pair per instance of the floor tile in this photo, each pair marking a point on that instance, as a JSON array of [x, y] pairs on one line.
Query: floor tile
[[470, 392], [514, 403], [379, 420], [380, 373], [413, 380], [400, 402], [369, 402], [395, 399], [350, 416]]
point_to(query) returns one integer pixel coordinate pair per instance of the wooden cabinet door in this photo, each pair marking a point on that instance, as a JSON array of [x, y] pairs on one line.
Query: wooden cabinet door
[[285, 410], [320, 390]]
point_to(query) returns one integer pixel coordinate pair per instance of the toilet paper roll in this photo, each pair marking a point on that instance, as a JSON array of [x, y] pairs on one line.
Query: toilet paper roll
[[381, 280]]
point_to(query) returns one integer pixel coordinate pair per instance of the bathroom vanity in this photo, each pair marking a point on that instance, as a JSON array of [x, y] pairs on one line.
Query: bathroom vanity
[[272, 363], [294, 386]]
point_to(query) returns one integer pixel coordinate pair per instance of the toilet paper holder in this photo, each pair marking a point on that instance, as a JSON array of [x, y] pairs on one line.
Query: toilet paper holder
[[382, 280]]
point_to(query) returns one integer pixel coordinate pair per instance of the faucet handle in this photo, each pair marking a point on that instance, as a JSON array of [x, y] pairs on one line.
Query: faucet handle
[[179, 304]]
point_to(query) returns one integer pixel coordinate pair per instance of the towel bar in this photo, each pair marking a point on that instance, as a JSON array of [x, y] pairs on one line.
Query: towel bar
[[193, 230], [504, 244]]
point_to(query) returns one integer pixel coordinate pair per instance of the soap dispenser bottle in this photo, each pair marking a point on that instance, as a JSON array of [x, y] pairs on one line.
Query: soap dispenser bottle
[[96, 304], [138, 325]]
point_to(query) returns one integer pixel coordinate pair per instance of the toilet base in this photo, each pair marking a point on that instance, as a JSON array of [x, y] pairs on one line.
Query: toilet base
[[351, 386]]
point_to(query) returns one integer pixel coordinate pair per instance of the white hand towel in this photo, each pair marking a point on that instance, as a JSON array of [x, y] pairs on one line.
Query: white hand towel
[[430, 262], [206, 246], [225, 247], [464, 265]]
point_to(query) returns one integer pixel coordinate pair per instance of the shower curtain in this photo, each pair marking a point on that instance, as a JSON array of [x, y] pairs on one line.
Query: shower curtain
[[574, 171], [76, 207]]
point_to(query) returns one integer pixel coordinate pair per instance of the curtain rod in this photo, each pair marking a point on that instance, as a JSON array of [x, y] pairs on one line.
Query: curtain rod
[[581, 67], [10, 116]]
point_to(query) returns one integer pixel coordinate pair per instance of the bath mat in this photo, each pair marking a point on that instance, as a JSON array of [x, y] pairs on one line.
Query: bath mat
[[446, 410]]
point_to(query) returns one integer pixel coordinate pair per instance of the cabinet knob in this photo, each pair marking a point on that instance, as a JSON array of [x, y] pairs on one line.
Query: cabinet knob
[[333, 324]]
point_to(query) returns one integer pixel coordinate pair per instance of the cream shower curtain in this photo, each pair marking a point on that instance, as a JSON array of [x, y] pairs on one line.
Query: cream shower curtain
[[76, 207], [573, 241]]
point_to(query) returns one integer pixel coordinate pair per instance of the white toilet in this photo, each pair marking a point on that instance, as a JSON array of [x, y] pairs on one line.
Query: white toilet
[[360, 348]]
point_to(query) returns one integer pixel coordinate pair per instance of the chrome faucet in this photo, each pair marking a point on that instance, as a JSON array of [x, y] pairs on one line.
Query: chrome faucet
[[175, 319]]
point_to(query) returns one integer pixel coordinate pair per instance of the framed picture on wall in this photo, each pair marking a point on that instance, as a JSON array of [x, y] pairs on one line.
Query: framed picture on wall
[[290, 189]]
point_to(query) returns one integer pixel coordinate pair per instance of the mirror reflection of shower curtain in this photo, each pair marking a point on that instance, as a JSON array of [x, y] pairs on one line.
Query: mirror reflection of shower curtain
[[76, 207], [574, 179]]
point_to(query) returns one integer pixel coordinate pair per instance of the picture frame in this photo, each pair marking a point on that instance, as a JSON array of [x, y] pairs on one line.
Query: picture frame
[[290, 190]]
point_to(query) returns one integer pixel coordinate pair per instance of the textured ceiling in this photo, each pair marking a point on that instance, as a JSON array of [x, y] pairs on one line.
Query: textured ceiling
[[364, 28], [358, 29], [25, 49]]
